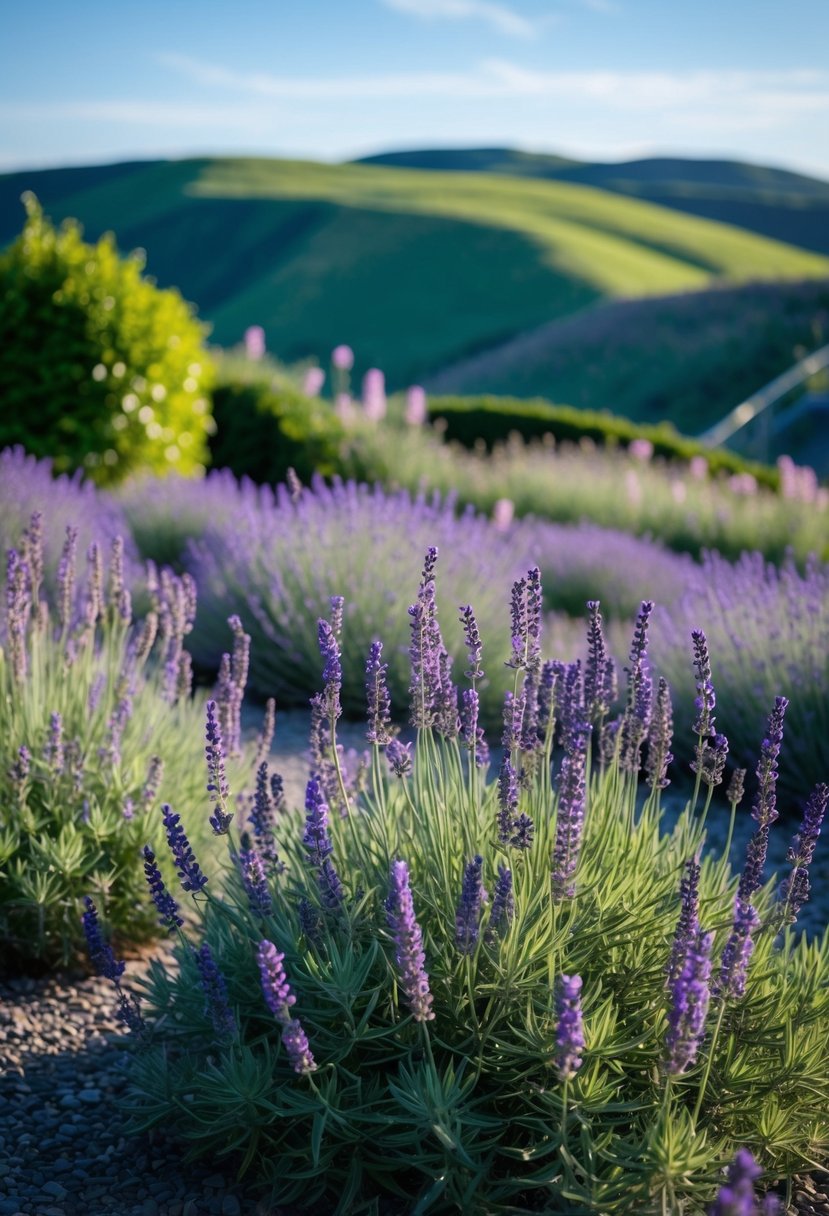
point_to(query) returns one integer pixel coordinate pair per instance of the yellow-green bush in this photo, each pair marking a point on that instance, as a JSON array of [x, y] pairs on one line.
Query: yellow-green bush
[[101, 369]]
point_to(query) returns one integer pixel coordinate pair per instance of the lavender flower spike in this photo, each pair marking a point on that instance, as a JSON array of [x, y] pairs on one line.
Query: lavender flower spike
[[277, 991], [100, 954], [731, 982], [705, 700], [470, 907], [737, 1197], [599, 669], [525, 611], [507, 800], [295, 1042], [186, 865], [660, 735], [214, 986], [377, 697], [474, 646], [161, 897], [569, 1026], [570, 818], [408, 942], [690, 997], [316, 838], [217, 785], [764, 809], [332, 672], [252, 872], [399, 757], [795, 889], [503, 905], [687, 926]]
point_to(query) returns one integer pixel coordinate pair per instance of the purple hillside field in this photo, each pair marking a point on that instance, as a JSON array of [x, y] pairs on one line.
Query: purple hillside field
[[569, 1026], [409, 955], [690, 996], [470, 907]]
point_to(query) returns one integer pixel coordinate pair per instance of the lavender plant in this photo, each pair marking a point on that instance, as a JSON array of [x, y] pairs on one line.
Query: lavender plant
[[437, 1013], [768, 631], [97, 726]]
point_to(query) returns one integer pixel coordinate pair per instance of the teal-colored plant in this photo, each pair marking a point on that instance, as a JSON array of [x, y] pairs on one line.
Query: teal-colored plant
[[434, 994]]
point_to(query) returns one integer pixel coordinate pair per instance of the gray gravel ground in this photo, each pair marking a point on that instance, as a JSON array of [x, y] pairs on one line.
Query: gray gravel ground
[[63, 1148]]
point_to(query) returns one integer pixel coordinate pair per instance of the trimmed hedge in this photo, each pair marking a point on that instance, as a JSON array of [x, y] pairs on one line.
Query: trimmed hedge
[[487, 419]]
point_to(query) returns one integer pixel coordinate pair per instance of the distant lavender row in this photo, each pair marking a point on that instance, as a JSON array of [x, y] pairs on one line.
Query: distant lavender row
[[769, 632], [27, 485]]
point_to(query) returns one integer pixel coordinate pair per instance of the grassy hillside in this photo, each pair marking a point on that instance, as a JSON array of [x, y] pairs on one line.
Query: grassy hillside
[[775, 202], [416, 270], [689, 357]]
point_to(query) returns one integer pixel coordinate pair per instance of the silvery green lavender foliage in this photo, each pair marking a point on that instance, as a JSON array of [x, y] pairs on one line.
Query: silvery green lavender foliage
[[768, 634], [28, 486], [97, 727], [423, 1019]]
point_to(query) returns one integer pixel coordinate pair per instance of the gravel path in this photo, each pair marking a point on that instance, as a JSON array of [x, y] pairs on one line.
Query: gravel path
[[63, 1147]]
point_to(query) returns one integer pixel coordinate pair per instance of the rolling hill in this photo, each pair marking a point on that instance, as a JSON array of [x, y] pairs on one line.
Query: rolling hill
[[777, 203], [416, 269]]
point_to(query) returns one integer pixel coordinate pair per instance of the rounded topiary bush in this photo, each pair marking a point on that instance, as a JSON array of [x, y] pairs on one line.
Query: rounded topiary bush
[[101, 370]]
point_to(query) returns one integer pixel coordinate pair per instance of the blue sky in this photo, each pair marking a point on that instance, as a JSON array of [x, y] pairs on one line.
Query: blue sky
[[332, 79]]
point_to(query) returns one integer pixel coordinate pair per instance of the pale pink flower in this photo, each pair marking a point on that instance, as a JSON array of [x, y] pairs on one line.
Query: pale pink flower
[[679, 491], [698, 468], [343, 358], [374, 394], [641, 449], [743, 483], [313, 381], [254, 342], [633, 488], [503, 514], [416, 409], [344, 407]]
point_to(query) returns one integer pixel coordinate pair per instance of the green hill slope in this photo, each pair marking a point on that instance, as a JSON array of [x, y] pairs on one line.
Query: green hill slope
[[414, 269], [777, 203]]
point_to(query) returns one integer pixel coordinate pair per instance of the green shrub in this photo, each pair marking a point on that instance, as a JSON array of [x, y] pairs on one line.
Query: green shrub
[[101, 370], [358, 1024], [97, 728], [263, 429], [469, 420]]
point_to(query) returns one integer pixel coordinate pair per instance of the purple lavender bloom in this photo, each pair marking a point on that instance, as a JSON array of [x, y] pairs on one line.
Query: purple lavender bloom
[[152, 783], [332, 673], [795, 889], [265, 736], [54, 745], [660, 734], [426, 648], [217, 785], [94, 606], [184, 676], [731, 982], [570, 817], [752, 875], [470, 907], [252, 872], [764, 809], [599, 669], [278, 794], [571, 707], [689, 999], [337, 603], [547, 695], [523, 832], [332, 892], [95, 690], [736, 1197], [474, 645], [706, 699], [161, 897], [472, 735], [295, 1042], [19, 771], [277, 991], [129, 1012], [507, 800], [377, 695], [399, 757], [736, 787], [711, 756], [569, 1026], [185, 862], [530, 739], [408, 943], [18, 608], [116, 573], [66, 578], [262, 818], [636, 718], [100, 953], [214, 986], [446, 698], [316, 838], [503, 905], [687, 926], [309, 921], [525, 613]]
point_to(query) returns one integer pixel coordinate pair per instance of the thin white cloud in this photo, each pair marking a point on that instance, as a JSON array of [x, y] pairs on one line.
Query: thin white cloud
[[502, 19]]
